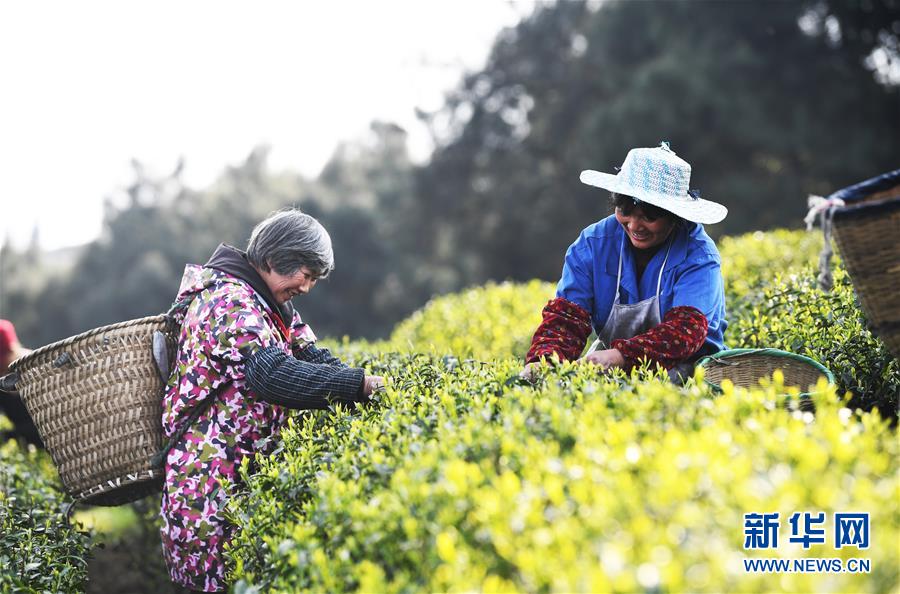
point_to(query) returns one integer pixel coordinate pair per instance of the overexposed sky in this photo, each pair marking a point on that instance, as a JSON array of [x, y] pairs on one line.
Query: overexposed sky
[[87, 86]]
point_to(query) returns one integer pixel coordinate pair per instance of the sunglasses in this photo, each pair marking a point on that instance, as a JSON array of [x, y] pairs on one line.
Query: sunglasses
[[626, 205]]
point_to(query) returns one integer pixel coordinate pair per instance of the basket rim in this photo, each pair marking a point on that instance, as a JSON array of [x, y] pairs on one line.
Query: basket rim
[[873, 209], [727, 353], [22, 361]]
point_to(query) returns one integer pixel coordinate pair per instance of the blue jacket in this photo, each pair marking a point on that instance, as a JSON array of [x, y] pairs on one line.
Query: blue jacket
[[692, 276]]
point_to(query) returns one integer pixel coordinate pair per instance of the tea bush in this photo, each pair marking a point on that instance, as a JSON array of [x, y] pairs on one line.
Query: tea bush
[[459, 478], [793, 314], [39, 550], [754, 258], [751, 261], [490, 322]]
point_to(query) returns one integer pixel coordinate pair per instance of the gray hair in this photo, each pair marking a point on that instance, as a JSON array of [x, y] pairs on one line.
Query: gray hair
[[288, 240]]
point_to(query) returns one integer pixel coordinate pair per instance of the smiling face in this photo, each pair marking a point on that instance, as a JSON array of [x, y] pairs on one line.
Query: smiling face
[[643, 230], [285, 287]]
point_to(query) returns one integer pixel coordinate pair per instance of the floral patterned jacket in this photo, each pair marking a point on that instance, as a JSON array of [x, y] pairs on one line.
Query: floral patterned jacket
[[225, 323]]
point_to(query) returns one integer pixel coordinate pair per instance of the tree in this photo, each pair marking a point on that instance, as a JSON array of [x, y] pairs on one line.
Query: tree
[[765, 112], [769, 101], [867, 30]]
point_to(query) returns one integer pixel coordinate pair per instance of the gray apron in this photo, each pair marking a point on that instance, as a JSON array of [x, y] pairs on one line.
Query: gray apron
[[627, 321]]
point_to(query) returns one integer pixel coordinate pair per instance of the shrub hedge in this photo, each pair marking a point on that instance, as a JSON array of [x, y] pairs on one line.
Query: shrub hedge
[[751, 260], [458, 477], [39, 550], [793, 314], [772, 301], [461, 479], [490, 322]]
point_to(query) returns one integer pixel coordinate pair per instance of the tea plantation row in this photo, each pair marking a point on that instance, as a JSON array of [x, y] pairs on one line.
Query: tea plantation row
[[772, 297], [460, 478], [39, 550]]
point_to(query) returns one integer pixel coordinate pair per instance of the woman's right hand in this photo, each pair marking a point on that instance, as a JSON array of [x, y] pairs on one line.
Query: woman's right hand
[[605, 359], [529, 371], [372, 383]]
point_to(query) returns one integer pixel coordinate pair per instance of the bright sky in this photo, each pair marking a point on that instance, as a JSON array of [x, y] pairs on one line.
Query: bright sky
[[88, 85]]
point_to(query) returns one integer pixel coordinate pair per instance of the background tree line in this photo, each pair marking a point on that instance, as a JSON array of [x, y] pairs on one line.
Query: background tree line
[[768, 101]]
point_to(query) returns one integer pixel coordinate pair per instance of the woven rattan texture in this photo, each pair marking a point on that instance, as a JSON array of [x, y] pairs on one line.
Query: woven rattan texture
[[746, 370], [96, 400], [870, 248]]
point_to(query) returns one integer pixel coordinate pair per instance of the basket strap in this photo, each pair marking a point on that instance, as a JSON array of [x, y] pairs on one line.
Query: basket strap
[[8, 382], [180, 307], [158, 459], [67, 510], [824, 208]]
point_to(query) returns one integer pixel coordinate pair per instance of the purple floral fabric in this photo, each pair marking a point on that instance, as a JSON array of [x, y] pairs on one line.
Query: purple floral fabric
[[225, 323]]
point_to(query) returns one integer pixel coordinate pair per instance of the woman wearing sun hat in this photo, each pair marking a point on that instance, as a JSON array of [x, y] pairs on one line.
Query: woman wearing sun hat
[[646, 279]]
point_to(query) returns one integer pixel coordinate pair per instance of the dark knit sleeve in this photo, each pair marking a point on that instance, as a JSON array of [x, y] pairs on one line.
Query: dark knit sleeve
[[563, 331], [680, 334], [281, 379], [313, 354]]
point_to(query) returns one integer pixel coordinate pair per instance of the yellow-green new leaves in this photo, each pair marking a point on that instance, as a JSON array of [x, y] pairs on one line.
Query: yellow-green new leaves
[[491, 322], [751, 260], [793, 314], [460, 481]]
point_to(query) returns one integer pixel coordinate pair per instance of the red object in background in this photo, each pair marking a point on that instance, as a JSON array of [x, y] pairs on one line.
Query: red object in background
[[8, 339], [11, 406]]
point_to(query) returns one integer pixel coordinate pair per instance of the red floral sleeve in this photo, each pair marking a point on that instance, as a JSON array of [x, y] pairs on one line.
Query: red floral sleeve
[[680, 334], [563, 331]]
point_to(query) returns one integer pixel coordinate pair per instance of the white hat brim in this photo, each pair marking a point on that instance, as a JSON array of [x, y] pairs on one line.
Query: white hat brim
[[696, 210]]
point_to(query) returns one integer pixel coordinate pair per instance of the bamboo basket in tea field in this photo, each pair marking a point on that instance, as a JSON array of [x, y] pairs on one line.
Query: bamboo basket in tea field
[[96, 400], [746, 367]]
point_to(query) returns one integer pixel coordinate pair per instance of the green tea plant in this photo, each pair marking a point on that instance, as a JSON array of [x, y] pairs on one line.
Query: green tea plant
[[749, 258], [39, 550], [793, 314], [490, 322], [751, 261], [460, 478]]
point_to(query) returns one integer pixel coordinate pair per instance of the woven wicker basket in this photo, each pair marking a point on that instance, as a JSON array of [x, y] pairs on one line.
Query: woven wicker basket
[[745, 367], [96, 399], [866, 233]]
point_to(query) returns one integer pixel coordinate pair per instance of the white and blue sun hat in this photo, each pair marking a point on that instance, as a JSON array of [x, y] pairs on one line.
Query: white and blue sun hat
[[659, 177]]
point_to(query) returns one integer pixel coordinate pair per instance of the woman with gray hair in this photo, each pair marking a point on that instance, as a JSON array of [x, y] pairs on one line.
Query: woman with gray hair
[[244, 357]]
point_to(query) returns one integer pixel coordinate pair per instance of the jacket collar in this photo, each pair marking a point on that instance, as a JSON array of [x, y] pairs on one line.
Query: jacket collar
[[677, 255], [232, 261]]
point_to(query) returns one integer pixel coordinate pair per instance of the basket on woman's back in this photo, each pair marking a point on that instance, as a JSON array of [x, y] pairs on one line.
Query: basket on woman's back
[[96, 399]]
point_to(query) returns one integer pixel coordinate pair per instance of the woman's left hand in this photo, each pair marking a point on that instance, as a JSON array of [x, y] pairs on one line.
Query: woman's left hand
[[605, 359], [372, 384]]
